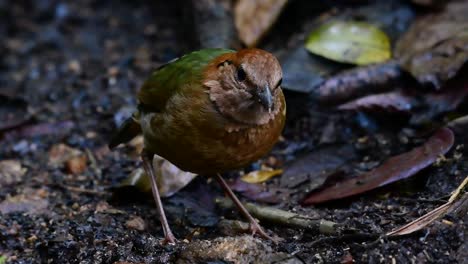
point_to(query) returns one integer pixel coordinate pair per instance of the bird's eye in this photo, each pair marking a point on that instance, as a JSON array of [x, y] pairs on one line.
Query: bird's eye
[[241, 75], [279, 82]]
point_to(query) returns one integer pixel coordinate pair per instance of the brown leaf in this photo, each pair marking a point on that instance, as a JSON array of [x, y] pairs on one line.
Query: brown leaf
[[314, 168], [435, 47], [438, 102], [60, 154], [255, 192], [392, 102], [396, 168], [32, 202], [253, 18], [353, 83]]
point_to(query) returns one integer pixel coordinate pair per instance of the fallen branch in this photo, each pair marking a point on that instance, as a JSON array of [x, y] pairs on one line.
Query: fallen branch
[[285, 218]]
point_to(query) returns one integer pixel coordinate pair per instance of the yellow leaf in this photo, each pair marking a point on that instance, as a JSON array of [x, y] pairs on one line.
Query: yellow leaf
[[260, 176], [350, 42]]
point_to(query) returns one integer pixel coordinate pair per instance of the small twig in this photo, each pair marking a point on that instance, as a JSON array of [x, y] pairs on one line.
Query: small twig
[[282, 217], [81, 190], [344, 238], [94, 164], [459, 125]]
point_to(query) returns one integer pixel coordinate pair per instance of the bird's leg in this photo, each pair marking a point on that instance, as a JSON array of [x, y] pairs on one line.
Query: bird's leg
[[254, 226], [148, 166]]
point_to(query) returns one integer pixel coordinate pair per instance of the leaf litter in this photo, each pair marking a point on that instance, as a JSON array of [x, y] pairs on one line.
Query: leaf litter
[[430, 217], [89, 97], [394, 169]]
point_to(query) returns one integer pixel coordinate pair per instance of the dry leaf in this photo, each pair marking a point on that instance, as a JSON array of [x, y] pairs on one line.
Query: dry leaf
[[430, 217], [61, 153], [434, 49], [256, 192], [395, 168], [33, 203], [253, 18], [260, 176], [170, 179], [391, 102]]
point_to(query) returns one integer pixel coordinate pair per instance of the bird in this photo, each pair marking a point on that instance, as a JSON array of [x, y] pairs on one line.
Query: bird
[[209, 112]]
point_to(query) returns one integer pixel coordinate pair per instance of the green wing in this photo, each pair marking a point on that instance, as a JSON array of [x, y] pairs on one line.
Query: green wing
[[173, 76], [165, 81]]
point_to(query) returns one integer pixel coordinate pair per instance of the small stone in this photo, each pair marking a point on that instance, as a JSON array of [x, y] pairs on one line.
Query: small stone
[[11, 172], [91, 134], [76, 165], [113, 71], [75, 206], [74, 66], [32, 239], [102, 207], [136, 223]]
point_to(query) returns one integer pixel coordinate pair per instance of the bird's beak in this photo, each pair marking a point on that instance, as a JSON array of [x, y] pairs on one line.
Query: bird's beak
[[265, 98]]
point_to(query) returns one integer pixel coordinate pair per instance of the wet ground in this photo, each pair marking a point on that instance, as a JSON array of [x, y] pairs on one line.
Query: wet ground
[[69, 72]]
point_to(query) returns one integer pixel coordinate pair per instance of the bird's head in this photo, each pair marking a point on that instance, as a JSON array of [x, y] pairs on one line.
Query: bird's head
[[245, 85]]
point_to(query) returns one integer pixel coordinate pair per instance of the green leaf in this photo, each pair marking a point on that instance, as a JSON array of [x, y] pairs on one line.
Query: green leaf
[[3, 259], [350, 42]]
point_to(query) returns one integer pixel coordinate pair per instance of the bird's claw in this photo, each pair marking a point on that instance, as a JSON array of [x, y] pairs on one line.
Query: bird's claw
[[255, 228], [169, 240]]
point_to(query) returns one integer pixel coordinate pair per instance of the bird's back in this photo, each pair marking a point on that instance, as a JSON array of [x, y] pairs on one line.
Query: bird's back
[[171, 78], [166, 81]]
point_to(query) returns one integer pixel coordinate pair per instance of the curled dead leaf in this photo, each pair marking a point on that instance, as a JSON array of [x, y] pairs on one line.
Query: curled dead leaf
[[434, 49], [73, 159], [170, 178], [392, 101], [253, 18]]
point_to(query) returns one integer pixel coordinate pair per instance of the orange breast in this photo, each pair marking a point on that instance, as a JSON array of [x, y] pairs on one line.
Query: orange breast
[[196, 140]]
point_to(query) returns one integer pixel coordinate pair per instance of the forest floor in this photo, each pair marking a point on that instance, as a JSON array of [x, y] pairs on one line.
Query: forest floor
[[69, 71]]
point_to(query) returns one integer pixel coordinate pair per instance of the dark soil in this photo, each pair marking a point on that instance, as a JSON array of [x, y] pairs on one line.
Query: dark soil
[[78, 65]]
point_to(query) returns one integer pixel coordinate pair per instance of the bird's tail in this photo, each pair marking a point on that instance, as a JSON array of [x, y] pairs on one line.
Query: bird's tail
[[129, 129]]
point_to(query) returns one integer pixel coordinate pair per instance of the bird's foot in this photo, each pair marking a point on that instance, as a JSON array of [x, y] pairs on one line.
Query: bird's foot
[[255, 228], [169, 239]]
